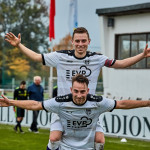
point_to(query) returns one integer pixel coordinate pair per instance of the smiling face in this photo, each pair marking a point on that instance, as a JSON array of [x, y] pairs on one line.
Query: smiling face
[[79, 92], [80, 42]]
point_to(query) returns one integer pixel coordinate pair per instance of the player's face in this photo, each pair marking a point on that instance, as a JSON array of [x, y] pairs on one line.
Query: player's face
[[79, 93], [23, 86], [80, 43]]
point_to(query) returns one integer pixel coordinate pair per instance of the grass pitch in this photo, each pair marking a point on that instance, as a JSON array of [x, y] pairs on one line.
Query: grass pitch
[[10, 140]]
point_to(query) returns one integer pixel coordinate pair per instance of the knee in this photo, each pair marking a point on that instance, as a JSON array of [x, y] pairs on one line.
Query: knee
[[99, 138], [55, 136]]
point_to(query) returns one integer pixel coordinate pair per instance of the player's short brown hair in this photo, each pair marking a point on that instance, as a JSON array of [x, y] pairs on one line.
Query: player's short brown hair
[[80, 79], [80, 30]]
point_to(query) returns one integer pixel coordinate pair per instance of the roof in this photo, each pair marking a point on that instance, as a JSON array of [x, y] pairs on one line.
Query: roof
[[124, 10]]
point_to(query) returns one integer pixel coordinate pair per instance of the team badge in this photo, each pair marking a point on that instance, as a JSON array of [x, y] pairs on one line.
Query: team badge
[[87, 62], [88, 111]]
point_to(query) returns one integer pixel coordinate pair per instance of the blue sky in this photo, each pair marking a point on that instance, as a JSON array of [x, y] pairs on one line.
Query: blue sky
[[86, 16]]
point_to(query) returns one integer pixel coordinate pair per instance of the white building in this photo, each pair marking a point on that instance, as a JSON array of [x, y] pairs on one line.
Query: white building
[[124, 33]]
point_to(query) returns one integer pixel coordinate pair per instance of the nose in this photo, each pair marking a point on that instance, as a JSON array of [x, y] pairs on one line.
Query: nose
[[79, 95], [80, 43]]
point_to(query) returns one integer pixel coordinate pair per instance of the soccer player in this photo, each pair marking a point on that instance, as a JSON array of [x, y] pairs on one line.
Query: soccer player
[[78, 111], [21, 94], [71, 62]]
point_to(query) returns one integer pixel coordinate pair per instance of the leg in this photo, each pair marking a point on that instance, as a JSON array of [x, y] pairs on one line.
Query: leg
[[54, 139], [56, 132], [34, 123], [99, 137], [20, 115], [99, 141], [20, 118]]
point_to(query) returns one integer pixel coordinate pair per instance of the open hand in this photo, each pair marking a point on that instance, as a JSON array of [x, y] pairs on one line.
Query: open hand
[[146, 51], [12, 39], [4, 102]]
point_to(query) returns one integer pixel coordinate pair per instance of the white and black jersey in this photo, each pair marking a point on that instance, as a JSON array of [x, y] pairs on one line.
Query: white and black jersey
[[79, 122], [68, 65]]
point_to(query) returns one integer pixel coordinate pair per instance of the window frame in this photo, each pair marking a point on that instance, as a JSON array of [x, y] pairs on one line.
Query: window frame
[[117, 36]]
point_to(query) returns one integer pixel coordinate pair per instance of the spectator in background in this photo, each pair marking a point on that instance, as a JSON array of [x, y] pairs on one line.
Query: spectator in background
[[20, 93], [36, 92], [54, 91]]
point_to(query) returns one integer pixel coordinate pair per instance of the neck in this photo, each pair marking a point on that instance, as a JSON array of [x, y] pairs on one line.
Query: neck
[[80, 55]]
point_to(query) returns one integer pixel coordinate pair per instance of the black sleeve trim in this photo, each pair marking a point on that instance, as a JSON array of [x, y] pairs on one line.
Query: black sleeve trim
[[44, 107], [114, 106], [113, 62], [43, 60]]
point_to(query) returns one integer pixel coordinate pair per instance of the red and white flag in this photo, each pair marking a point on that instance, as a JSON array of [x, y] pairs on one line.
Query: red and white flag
[[51, 20]]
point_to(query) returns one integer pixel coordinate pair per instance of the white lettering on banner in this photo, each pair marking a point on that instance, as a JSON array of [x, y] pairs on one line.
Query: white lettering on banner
[[7, 116]]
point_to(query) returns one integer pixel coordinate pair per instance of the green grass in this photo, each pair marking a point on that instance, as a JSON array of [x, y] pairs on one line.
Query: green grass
[[9, 140], [115, 144]]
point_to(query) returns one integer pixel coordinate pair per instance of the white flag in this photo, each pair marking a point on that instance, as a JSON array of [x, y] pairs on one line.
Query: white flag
[[73, 16]]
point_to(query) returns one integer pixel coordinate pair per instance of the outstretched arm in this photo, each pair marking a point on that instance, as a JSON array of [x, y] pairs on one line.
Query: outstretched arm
[[129, 104], [25, 104], [132, 60], [16, 42]]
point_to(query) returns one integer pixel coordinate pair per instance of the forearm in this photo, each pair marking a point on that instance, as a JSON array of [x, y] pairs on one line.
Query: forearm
[[26, 104], [29, 53], [128, 61], [129, 104]]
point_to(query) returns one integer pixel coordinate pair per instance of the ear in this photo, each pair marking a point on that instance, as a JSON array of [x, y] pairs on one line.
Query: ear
[[71, 89], [89, 41], [72, 41], [87, 90]]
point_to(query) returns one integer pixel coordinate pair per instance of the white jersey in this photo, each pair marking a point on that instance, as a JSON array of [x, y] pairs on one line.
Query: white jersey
[[68, 65], [79, 122]]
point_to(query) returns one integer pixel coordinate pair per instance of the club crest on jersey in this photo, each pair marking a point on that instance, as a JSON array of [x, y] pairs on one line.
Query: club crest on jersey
[[87, 62], [88, 111]]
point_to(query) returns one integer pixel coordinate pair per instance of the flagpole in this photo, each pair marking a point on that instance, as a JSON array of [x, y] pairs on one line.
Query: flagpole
[[51, 75]]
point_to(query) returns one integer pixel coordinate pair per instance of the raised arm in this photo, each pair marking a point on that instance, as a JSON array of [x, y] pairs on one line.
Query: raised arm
[[16, 42], [26, 104], [129, 104], [132, 60]]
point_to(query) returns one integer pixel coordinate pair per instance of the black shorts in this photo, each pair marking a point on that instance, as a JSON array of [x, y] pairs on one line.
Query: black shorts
[[20, 112]]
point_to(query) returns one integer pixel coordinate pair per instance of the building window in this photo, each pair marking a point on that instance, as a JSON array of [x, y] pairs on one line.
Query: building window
[[128, 45]]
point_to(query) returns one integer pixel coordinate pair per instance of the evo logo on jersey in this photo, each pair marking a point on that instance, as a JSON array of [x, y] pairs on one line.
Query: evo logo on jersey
[[83, 122], [84, 70]]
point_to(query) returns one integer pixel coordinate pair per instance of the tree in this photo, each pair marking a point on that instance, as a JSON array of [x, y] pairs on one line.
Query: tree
[[26, 17], [30, 18]]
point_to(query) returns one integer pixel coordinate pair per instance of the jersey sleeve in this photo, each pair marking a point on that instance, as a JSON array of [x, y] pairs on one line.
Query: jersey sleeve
[[51, 106], [109, 62], [105, 61], [107, 105], [51, 59]]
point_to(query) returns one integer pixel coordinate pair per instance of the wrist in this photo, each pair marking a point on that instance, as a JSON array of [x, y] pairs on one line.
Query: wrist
[[18, 45]]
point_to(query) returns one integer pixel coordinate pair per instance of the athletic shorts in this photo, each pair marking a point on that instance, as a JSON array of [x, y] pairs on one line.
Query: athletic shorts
[[56, 124], [20, 112]]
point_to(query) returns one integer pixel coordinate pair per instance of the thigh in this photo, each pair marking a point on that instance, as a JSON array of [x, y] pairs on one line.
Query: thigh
[[20, 112]]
